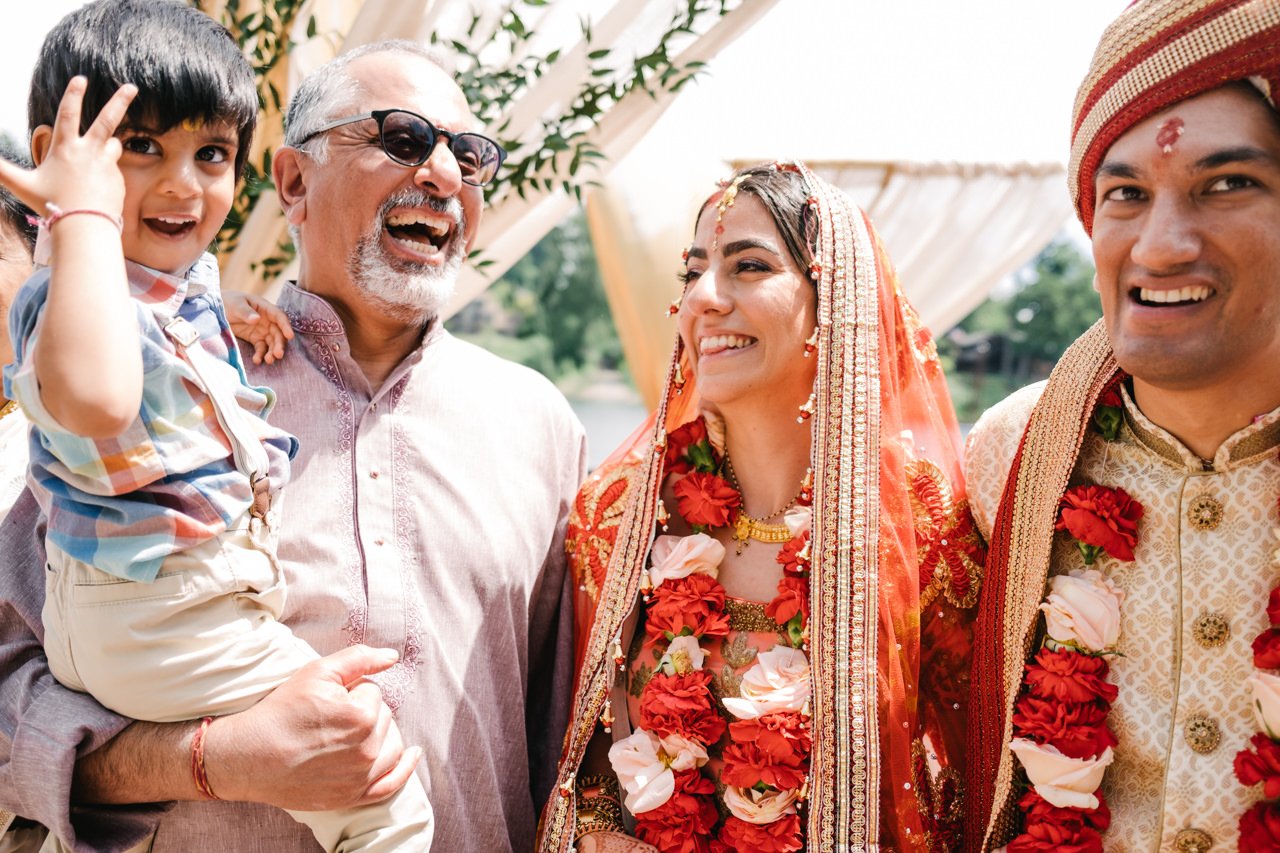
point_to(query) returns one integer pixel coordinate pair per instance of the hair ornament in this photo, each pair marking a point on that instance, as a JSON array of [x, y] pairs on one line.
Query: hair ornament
[[727, 198]]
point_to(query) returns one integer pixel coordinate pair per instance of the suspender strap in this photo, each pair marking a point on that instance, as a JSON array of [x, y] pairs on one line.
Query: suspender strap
[[251, 458]]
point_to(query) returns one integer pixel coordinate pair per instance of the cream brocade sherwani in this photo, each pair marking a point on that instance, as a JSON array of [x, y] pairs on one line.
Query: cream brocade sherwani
[[1203, 559]]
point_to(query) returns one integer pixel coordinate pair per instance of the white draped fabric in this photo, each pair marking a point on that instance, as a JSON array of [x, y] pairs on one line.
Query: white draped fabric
[[953, 230]]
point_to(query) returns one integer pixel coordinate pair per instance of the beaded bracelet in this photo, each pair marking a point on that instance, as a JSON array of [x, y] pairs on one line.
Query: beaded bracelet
[[198, 771], [56, 213]]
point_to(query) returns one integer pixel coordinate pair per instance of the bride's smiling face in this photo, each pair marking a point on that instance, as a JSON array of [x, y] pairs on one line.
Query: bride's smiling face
[[747, 309]]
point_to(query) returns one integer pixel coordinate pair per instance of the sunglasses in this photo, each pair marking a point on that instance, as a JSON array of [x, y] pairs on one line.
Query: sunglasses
[[408, 139]]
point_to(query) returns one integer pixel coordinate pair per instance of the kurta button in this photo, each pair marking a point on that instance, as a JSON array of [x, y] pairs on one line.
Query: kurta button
[[1193, 841], [377, 542], [1205, 513], [1202, 734], [373, 475], [1211, 630]]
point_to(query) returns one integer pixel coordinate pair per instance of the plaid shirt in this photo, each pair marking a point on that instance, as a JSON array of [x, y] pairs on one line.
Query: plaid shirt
[[168, 482]]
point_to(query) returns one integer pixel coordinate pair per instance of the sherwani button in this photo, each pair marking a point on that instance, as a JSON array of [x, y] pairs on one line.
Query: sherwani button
[[1205, 513], [1202, 734], [1193, 841], [1211, 630]]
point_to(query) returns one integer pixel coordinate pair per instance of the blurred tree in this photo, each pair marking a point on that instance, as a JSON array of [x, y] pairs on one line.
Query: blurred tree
[[1008, 342], [552, 303]]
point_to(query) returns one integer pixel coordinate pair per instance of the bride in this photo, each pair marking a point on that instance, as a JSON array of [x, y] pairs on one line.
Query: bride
[[775, 576]]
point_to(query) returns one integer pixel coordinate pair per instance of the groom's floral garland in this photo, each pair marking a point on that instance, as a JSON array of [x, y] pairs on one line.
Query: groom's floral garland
[[1059, 723], [766, 757], [1260, 824]]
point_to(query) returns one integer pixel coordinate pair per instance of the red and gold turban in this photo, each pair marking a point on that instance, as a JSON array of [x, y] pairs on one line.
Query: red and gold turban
[[1158, 53]]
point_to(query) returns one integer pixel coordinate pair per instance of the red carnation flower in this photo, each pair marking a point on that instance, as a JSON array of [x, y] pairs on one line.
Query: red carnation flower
[[1102, 519], [1039, 810], [1077, 729], [781, 738], [1273, 607], [792, 598], [689, 605], [689, 448], [789, 556], [1266, 649], [1260, 828], [1262, 765], [684, 822], [1069, 676], [705, 500], [1049, 837], [780, 836], [681, 704], [746, 764]]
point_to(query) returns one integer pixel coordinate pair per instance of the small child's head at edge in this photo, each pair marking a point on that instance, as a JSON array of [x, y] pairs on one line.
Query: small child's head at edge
[[186, 134]]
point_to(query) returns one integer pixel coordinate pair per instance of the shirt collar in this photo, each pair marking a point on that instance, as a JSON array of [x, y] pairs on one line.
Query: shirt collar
[[1260, 437]]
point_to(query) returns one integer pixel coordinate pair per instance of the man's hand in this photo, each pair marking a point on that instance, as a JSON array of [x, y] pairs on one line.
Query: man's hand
[[257, 321], [322, 740]]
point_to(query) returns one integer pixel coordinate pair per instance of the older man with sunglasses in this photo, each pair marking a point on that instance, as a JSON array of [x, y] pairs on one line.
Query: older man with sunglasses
[[422, 535]]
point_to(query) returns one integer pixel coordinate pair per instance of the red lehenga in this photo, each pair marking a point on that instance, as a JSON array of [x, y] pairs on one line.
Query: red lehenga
[[895, 565]]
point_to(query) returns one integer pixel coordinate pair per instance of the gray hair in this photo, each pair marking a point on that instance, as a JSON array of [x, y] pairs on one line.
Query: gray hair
[[331, 89]]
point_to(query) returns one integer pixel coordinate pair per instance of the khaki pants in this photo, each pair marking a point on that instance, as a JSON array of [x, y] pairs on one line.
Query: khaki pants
[[203, 639]]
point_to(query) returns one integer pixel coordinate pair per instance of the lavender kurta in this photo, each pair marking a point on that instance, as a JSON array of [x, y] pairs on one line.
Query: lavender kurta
[[428, 517]]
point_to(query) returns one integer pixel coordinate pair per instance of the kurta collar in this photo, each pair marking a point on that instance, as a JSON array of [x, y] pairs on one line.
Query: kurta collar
[[1242, 447], [311, 315]]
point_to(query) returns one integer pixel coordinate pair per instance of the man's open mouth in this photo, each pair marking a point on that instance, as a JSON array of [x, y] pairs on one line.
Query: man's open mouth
[[1182, 296], [418, 231]]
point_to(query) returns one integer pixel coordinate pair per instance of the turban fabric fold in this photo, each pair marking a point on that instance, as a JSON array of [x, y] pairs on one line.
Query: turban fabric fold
[[1158, 53]]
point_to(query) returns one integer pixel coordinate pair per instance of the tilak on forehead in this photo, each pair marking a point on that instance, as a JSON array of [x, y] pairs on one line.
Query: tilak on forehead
[[1160, 52], [1171, 129]]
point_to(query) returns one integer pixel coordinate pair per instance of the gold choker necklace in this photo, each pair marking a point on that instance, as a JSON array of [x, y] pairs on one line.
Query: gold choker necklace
[[746, 527]]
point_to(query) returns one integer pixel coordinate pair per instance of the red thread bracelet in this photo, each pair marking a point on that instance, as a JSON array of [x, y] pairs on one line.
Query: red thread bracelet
[[56, 213], [198, 772]]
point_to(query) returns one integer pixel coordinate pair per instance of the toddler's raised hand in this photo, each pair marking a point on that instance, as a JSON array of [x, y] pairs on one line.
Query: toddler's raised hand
[[76, 172]]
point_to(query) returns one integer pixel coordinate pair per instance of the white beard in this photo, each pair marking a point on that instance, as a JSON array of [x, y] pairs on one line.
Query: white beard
[[407, 290]]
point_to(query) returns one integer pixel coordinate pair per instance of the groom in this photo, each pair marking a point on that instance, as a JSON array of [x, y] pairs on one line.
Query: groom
[[1154, 450]]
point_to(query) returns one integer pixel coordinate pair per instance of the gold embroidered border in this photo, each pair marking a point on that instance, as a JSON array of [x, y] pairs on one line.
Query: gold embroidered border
[[1057, 429], [844, 803]]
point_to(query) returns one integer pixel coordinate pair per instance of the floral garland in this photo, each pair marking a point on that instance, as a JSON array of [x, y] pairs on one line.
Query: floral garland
[[1060, 730], [766, 758], [1260, 824]]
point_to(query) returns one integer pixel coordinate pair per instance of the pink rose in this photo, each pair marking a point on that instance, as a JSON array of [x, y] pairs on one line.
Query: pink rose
[[675, 557], [645, 777], [798, 519], [752, 806], [646, 765], [779, 681], [1083, 608], [1266, 701], [1068, 783]]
